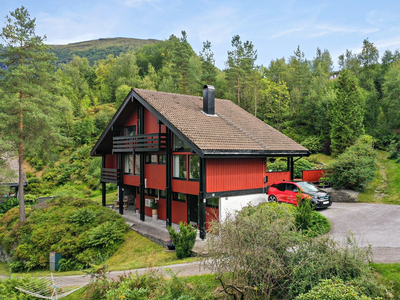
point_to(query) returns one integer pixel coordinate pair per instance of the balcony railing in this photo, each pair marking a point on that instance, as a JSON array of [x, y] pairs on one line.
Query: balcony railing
[[109, 175], [140, 143]]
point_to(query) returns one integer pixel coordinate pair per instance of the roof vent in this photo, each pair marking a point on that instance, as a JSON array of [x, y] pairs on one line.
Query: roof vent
[[209, 99]]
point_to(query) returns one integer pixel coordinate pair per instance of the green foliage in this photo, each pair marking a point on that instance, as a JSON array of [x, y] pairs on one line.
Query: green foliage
[[59, 226], [394, 151], [304, 210], [301, 165], [355, 168], [9, 292], [8, 204], [312, 143], [333, 289], [270, 259], [184, 239], [347, 113]]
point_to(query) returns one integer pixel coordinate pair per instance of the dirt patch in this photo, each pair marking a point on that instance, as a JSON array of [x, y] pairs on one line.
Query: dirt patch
[[380, 190]]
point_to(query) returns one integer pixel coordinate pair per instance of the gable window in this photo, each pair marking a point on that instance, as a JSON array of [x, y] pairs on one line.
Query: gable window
[[137, 164], [130, 130], [179, 145], [179, 167], [128, 168], [194, 167]]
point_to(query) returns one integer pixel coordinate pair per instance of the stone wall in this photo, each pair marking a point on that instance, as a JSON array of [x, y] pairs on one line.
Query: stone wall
[[342, 195]]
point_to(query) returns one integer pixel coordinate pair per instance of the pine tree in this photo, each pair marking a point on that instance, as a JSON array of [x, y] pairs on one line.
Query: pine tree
[[209, 73], [347, 113], [28, 109]]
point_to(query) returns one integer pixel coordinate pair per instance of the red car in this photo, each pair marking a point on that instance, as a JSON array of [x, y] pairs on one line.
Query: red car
[[286, 191]]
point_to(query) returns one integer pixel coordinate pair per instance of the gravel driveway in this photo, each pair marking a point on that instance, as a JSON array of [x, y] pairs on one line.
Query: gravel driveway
[[374, 224]]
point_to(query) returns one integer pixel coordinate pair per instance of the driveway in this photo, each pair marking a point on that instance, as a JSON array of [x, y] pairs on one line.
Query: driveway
[[374, 224]]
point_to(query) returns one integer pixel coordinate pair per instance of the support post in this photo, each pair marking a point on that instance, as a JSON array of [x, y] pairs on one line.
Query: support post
[[202, 199], [103, 184], [142, 175], [291, 168], [120, 184], [168, 178]]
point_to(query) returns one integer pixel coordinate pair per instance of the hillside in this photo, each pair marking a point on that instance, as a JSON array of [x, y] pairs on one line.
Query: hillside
[[95, 50]]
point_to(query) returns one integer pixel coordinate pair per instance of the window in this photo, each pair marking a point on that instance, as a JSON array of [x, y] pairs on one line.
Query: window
[[163, 194], [194, 167], [179, 197], [130, 130], [137, 164], [212, 202], [179, 167], [179, 145], [151, 159], [128, 169], [162, 159], [151, 192]]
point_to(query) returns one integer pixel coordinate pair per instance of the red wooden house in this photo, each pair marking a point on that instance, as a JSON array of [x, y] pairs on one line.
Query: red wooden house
[[193, 154]]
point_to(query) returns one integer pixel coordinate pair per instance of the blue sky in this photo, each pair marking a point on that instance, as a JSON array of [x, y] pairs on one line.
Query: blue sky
[[276, 28]]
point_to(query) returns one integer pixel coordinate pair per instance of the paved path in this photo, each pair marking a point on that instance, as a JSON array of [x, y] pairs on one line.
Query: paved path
[[186, 269], [374, 224]]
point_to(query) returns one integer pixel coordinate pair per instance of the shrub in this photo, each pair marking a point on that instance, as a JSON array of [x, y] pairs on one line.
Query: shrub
[[301, 165], [303, 212], [8, 204], [263, 256], [183, 240], [312, 143], [333, 288], [107, 234], [354, 168], [82, 216]]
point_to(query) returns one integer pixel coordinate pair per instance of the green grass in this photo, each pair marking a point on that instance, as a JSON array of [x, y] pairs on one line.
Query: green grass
[[136, 252], [321, 158], [390, 276], [139, 252], [111, 196], [385, 188]]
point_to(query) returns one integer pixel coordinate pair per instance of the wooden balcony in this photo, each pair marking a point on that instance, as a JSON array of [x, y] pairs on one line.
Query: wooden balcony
[[139, 143], [109, 175]]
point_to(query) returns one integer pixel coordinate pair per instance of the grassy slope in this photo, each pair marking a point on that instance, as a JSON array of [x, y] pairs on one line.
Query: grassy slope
[[95, 50], [136, 252], [385, 188]]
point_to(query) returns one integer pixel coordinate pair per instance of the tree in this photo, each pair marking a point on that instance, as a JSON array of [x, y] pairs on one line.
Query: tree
[[209, 74], [240, 63], [29, 108], [347, 113]]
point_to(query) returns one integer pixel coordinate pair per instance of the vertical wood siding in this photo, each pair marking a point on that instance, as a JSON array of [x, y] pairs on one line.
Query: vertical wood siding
[[277, 176], [230, 174]]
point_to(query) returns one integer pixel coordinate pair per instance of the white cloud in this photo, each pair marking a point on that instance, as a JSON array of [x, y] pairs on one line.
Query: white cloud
[[287, 32], [329, 29]]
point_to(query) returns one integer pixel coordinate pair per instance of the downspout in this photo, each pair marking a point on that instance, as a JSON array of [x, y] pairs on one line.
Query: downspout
[[142, 177], [103, 184]]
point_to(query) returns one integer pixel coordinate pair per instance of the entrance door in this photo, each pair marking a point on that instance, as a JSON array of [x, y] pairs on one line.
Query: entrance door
[[193, 208]]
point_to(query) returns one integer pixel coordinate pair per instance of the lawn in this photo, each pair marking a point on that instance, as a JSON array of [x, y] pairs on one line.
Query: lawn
[[385, 188], [390, 276], [136, 252]]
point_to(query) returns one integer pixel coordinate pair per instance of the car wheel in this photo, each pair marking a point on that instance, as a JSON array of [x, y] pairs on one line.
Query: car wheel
[[272, 198]]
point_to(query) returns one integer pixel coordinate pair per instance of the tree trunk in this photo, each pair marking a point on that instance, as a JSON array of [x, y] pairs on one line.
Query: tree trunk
[[22, 216]]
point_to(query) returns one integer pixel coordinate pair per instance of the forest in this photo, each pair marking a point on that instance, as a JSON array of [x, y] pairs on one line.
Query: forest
[[323, 108]]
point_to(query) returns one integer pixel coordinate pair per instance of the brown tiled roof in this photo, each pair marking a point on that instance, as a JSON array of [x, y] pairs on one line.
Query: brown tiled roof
[[230, 129]]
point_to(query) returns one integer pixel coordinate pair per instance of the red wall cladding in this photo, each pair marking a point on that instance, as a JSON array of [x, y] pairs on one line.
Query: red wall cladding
[[185, 186], [179, 212], [277, 176], [230, 174], [111, 161], [313, 175], [155, 176]]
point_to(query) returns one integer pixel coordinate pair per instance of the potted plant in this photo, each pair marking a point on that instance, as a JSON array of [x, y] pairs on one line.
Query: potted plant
[[170, 245], [154, 206]]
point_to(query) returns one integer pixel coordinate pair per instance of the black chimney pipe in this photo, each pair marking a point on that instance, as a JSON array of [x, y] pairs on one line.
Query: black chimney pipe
[[209, 99]]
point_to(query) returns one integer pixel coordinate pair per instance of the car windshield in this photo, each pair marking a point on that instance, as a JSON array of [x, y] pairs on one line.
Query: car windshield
[[307, 187]]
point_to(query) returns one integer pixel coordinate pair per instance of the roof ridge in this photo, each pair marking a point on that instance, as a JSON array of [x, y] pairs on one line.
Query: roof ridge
[[242, 130]]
